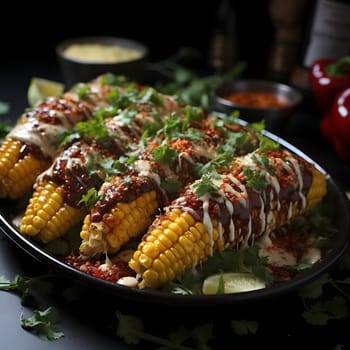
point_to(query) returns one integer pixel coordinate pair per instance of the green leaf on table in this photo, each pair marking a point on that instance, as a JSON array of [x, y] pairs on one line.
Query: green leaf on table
[[43, 323], [314, 289], [244, 327], [203, 335], [319, 313], [129, 327], [23, 284], [132, 331]]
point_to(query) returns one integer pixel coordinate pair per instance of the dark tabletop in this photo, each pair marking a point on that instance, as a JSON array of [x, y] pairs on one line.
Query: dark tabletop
[[89, 322]]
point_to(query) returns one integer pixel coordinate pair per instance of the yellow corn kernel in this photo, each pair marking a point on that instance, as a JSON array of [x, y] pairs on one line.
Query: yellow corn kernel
[[191, 242], [125, 221], [46, 216], [17, 175]]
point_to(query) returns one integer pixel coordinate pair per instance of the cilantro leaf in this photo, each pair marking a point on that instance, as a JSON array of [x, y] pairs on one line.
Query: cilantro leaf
[[267, 144], [171, 185], [132, 331], [255, 179], [129, 328], [24, 284], [90, 198], [319, 313], [164, 155], [244, 327], [314, 289], [112, 79], [204, 185], [43, 323]]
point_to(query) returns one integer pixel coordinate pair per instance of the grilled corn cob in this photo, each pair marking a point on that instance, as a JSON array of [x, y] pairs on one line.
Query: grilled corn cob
[[162, 170], [55, 205], [70, 178], [47, 215], [259, 194], [31, 145]]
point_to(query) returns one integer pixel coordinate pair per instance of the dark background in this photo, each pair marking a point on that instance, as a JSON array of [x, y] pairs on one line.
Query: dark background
[[34, 29]]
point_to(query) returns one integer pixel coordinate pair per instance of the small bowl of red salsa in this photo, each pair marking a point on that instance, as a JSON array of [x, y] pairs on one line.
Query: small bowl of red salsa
[[258, 100]]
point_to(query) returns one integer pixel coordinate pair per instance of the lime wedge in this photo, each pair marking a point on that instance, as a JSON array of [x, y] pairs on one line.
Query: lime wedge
[[234, 282], [39, 89]]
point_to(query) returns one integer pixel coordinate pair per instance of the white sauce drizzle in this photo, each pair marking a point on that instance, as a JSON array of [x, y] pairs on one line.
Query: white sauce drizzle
[[207, 220], [300, 181]]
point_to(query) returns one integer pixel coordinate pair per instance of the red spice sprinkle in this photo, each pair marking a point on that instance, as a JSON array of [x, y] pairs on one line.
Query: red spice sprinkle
[[111, 273]]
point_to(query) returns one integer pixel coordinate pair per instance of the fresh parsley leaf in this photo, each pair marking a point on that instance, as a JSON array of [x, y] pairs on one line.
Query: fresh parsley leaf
[[82, 90], [43, 323], [24, 284], [164, 155], [90, 198], [267, 144], [314, 289], [319, 313], [263, 161], [244, 327], [149, 94], [222, 160], [171, 185], [94, 128], [255, 179], [204, 185], [132, 331], [112, 79], [130, 328], [126, 117]]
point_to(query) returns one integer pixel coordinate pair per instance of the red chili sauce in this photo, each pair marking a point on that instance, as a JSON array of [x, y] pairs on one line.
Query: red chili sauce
[[256, 99]]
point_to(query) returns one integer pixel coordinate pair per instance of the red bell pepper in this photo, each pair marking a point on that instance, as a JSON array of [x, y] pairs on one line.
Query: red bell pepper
[[335, 125], [327, 77]]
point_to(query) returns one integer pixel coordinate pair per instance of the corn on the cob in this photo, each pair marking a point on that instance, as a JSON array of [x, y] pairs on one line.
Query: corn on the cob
[[104, 229], [55, 204], [32, 143], [258, 195], [47, 216], [18, 169], [71, 175]]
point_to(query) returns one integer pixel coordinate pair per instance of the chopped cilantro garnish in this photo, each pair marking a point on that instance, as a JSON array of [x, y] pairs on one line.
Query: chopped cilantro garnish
[[263, 161], [82, 91], [114, 80], [267, 144], [126, 117], [171, 185], [44, 323], [255, 178], [90, 198], [150, 95], [204, 185], [164, 155], [222, 160]]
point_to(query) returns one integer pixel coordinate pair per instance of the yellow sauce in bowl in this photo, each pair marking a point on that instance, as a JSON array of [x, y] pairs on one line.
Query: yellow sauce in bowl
[[101, 53]]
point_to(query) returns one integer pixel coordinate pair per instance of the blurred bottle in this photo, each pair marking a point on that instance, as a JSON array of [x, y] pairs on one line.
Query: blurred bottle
[[327, 36], [288, 18], [223, 45]]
